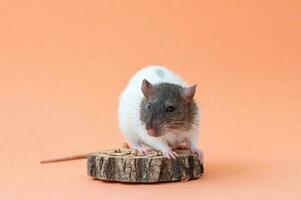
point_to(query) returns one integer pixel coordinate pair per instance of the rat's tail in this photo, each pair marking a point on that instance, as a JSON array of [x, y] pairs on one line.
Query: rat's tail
[[75, 157]]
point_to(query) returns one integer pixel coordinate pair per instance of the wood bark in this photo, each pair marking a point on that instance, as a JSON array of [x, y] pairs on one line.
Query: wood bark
[[122, 165]]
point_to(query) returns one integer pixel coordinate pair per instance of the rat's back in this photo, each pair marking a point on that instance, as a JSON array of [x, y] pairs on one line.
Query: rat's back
[[129, 103]]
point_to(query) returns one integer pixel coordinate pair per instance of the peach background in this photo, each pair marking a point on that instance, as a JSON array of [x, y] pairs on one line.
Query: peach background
[[64, 63]]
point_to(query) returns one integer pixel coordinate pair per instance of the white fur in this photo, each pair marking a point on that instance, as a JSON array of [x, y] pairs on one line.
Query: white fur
[[129, 116]]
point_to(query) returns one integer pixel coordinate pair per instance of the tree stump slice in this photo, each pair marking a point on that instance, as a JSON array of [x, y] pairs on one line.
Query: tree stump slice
[[123, 165]]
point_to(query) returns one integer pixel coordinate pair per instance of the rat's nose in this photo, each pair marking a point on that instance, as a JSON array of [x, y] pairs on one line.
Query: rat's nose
[[151, 131]]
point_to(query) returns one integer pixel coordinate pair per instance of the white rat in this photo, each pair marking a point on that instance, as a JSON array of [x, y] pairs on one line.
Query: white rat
[[157, 110]]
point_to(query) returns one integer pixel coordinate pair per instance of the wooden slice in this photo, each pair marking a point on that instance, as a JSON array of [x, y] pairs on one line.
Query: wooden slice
[[123, 165]]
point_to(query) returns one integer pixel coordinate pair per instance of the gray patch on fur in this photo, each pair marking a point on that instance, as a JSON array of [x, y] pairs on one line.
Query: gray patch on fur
[[160, 73]]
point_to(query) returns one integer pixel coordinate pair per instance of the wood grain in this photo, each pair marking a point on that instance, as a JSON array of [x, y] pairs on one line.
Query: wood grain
[[122, 165]]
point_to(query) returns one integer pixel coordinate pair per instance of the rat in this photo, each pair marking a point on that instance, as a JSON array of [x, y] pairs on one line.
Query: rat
[[157, 111]]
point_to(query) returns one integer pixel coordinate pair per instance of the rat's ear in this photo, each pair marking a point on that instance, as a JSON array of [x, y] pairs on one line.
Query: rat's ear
[[147, 88], [189, 92]]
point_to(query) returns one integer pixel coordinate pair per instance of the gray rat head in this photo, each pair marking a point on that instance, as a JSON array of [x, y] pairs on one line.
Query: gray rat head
[[167, 108]]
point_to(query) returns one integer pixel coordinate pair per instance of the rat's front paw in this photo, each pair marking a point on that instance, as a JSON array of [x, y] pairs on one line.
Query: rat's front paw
[[170, 154], [183, 146], [200, 154]]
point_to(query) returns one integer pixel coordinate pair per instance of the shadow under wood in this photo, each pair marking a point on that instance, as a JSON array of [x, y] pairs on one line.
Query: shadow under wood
[[140, 183]]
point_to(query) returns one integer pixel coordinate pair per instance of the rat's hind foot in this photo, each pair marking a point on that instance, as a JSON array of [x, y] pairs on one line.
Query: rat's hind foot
[[139, 148], [170, 154], [142, 150], [200, 154]]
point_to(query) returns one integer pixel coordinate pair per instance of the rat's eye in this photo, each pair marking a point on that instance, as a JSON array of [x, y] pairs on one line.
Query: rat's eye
[[170, 109], [149, 106]]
